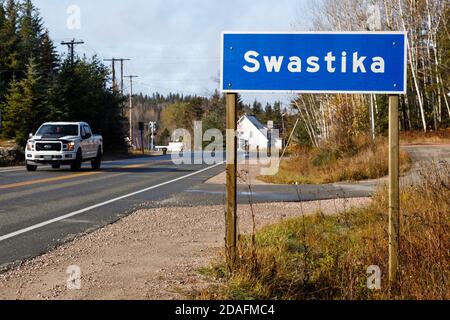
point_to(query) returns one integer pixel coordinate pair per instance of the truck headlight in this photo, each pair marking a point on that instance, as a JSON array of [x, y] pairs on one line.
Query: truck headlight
[[30, 146], [71, 146]]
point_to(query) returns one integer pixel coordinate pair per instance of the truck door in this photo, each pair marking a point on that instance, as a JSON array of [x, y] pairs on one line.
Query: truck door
[[89, 142], [84, 143]]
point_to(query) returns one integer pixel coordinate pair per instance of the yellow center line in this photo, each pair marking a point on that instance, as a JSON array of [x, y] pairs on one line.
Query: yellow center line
[[66, 177]]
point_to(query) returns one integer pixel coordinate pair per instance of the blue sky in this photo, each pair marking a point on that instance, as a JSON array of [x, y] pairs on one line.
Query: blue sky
[[174, 45]]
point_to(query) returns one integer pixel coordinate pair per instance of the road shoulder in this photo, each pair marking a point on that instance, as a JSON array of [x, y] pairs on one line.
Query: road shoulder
[[151, 254]]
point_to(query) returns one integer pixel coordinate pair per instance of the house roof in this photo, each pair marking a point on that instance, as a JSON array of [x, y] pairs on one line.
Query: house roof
[[254, 121]]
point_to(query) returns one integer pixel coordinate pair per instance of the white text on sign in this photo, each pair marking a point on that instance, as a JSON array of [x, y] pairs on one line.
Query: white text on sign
[[295, 64]]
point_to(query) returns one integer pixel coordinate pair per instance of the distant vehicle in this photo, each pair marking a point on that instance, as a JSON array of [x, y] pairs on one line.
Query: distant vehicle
[[172, 147], [128, 143], [64, 143]]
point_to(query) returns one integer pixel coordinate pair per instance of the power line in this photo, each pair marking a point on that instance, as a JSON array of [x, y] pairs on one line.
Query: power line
[[94, 51], [71, 46], [148, 86]]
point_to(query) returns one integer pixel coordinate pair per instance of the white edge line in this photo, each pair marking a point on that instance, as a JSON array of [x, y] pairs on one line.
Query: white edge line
[[11, 170], [69, 215]]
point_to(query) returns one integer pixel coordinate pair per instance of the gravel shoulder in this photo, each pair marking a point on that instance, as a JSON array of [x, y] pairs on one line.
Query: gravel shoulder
[[151, 254], [246, 174]]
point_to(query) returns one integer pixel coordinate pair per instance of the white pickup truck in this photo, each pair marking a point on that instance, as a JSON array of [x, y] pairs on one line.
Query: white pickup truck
[[64, 143]]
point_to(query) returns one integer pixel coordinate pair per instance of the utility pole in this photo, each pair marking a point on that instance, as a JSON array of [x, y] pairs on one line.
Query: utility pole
[[71, 46], [131, 106], [121, 72], [114, 60]]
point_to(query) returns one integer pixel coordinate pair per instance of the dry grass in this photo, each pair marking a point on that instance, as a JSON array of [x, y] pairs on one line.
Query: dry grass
[[325, 165], [419, 137], [6, 143], [326, 257]]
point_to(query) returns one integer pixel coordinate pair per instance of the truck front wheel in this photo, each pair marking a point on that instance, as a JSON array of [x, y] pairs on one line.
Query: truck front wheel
[[31, 168], [76, 165]]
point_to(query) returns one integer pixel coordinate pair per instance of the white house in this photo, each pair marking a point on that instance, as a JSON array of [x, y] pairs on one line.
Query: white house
[[253, 134]]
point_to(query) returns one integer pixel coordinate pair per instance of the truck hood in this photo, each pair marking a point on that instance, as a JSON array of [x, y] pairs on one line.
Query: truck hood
[[54, 138]]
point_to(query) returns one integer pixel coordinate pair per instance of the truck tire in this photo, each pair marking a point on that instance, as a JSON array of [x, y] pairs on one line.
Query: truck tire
[[31, 168], [97, 162], [76, 165]]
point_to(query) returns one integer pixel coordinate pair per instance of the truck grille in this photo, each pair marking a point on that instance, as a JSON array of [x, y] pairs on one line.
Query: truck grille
[[48, 146]]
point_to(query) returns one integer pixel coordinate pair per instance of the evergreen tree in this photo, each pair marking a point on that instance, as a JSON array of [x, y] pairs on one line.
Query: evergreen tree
[[215, 119], [30, 31], [3, 78], [277, 114], [24, 106], [10, 110], [269, 114], [257, 110], [47, 58], [11, 66]]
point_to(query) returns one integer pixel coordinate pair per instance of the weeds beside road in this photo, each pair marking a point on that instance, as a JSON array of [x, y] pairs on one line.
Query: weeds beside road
[[326, 256], [328, 165], [419, 137]]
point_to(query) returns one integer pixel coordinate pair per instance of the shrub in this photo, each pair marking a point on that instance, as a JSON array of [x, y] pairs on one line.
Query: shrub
[[368, 160]]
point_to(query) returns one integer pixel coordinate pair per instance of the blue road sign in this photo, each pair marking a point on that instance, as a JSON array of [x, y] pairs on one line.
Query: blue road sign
[[324, 62]]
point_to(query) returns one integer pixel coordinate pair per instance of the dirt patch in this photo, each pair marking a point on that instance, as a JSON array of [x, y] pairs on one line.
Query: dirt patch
[[151, 254]]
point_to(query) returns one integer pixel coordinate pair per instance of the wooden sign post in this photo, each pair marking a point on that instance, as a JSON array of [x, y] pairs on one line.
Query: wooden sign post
[[231, 170], [394, 191]]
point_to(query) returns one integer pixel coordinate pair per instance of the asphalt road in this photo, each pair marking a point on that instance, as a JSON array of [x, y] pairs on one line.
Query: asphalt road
[[41, 210]]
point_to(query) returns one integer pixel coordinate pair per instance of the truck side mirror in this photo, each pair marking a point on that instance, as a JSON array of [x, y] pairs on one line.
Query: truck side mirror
[[30, 135]]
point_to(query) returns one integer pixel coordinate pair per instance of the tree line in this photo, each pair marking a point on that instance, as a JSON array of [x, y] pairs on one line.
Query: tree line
[[38, 85], [426, 106], [176, 111]]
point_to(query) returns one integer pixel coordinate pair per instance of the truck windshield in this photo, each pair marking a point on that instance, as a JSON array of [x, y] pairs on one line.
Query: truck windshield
[[58, 131]]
